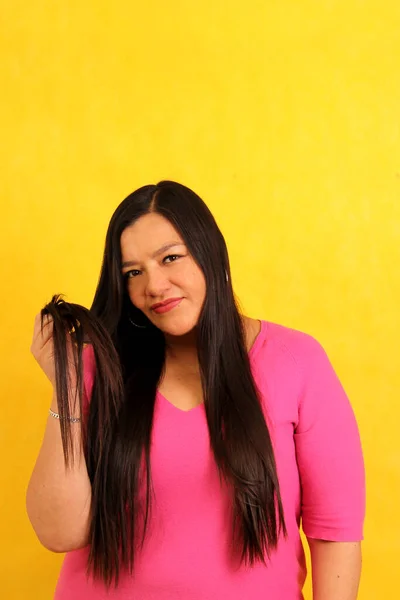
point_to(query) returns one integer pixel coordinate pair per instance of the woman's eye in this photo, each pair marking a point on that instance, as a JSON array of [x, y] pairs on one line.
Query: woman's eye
[[130, 274], [168, 259], [173, 256]]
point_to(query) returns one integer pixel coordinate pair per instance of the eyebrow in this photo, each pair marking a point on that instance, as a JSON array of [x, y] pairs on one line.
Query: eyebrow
[[131, 263]]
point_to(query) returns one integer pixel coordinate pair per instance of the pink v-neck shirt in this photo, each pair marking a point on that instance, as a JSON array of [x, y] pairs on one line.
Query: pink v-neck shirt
[[317, 447]]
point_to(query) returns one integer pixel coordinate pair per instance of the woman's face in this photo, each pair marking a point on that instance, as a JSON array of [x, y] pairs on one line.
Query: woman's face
[[157, 266]]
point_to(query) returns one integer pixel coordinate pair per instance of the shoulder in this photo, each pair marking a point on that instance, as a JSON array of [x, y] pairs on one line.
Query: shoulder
[[296, 358], [302, 347], [302, 368], [286, 360]]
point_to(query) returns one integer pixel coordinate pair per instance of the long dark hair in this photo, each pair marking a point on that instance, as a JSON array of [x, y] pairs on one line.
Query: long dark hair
[[129, 366]]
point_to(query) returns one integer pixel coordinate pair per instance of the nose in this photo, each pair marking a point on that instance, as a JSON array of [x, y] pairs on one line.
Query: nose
[[157, 284]]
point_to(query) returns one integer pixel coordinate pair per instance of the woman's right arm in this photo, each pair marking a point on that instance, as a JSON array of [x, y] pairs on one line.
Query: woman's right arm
[[58, 499]]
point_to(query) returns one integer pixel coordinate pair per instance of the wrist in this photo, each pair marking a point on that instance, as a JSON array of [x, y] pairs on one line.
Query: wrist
[[71, 419], [73, 404]]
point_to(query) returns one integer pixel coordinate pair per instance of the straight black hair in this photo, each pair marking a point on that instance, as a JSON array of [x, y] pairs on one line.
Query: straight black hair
[[129, 365]]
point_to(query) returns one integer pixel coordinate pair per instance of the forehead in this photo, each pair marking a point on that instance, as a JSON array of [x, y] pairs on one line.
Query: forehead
[[146, 235]]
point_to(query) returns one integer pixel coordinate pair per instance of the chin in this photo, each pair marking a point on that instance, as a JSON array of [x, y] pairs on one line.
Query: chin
[[175, 325]]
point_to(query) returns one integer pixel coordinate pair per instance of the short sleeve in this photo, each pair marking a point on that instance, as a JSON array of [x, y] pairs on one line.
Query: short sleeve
[[329, 452]]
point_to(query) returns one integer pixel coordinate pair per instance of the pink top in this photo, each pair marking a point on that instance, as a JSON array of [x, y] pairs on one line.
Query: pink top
[[320, 468]]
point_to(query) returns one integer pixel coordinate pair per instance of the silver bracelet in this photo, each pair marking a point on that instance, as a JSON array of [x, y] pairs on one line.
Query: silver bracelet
[[57, 416]]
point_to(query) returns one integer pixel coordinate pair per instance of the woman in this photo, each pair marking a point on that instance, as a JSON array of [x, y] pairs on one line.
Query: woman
[[203, 438]]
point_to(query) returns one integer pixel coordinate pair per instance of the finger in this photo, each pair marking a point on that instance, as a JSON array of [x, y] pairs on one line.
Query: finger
[[46, 335], [38, 322], [38, 316], [47, 324], [43, 335]]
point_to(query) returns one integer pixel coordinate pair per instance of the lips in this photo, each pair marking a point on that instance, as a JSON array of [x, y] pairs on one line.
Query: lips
[[162, 307]]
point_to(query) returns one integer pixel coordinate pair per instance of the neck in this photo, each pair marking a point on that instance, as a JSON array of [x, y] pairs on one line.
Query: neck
[[183, 348]]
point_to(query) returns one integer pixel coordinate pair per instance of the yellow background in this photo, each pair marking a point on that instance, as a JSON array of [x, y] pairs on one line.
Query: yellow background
[[284, 116]]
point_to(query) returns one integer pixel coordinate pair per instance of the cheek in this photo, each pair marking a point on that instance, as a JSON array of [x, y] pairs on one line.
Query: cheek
[[134, 294], [195, 282]]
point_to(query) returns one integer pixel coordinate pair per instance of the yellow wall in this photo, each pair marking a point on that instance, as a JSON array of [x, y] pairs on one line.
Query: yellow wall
[[284, 115]]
